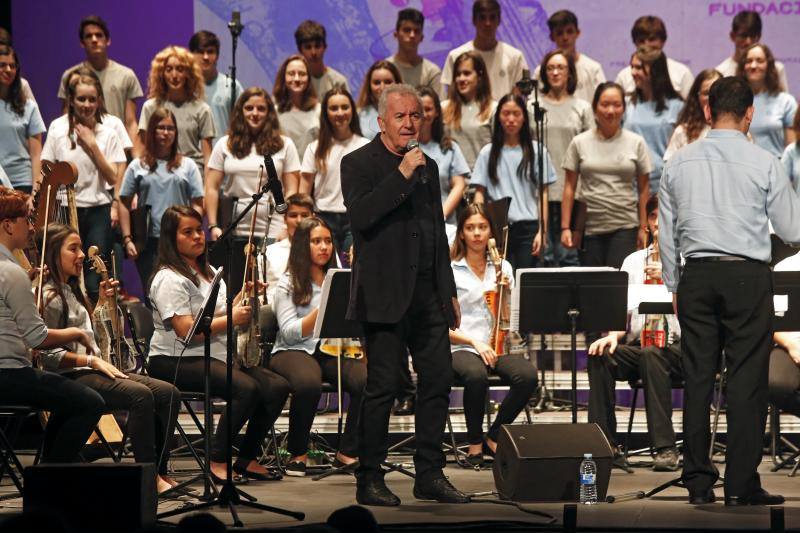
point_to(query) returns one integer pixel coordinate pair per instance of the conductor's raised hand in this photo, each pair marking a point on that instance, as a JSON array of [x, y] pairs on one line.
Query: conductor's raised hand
[[411, 161]]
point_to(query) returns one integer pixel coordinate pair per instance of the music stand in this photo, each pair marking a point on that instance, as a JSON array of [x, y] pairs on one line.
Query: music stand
[[202, 325], [553, 300], [331, 323]]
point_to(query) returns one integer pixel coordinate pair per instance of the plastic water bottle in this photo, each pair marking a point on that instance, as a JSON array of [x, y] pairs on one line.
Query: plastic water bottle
[[588, 474]]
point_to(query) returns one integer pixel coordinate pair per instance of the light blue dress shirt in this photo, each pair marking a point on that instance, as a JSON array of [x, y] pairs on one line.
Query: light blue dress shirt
[[791, 163], [290, 317], [523, 192], [773, 114], [218, 98], [656, 128], [15, 130], [717, 196], [451, 163], [476, 318], [368, 120], [162, 188]]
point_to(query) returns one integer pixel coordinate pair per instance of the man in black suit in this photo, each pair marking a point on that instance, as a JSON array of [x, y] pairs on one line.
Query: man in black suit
[[403, 292]]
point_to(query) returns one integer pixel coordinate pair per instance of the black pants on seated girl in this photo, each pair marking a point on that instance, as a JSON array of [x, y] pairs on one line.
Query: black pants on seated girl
[[258, 397], [473, 374], [305, 374]]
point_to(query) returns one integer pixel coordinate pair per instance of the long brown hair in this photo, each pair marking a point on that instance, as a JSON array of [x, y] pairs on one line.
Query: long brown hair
[[325, 138], [365, 96], [72, 90], [771, 80], [15, 98], [299, 265], [241, 140], [452, 114], [57, 235], [437, 128], [168, 255], [660, 82], [149, 158], [692, 117], [281, 93], [459, 248]]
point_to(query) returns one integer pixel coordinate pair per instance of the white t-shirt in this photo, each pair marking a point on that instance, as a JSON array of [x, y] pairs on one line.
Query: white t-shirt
[[241, 181], [90, 189], [277, 259], [172, 294], [504, 63], [679, 73], [110, 121], [328, 184]]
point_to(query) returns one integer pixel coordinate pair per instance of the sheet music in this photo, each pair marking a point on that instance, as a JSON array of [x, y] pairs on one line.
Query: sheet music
[[516, 291], [323, 301]]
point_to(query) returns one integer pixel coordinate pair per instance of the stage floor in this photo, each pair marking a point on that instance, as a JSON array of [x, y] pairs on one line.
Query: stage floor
[[667, 511]]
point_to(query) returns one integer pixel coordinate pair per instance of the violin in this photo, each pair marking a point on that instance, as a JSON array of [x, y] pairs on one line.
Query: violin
[[248, 338], [499, 300]]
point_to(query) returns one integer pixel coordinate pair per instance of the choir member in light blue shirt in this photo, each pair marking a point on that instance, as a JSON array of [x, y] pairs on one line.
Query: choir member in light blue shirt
[[473, 355], [21, 125], [507, 168], [653, 107], [379, 76], [205, 47], [296, 354], [453, 167], [161, 178], [771, 127]]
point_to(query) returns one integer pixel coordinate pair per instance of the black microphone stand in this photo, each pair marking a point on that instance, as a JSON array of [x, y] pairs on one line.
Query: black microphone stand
[[526, 86], [229, 495], [235, 26]]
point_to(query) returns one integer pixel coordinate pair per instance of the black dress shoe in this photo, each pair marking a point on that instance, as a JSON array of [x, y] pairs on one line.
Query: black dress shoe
[[702, 498], [439, 489], [487, 450], [759, 497], [375, 492], [404, 408], [269, 475]]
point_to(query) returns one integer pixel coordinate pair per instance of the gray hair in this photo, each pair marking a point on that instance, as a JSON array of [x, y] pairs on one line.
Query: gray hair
[[401, 89]]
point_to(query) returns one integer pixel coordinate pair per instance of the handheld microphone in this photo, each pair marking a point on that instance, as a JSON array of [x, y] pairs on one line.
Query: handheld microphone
[[274, 185], [410, 145]]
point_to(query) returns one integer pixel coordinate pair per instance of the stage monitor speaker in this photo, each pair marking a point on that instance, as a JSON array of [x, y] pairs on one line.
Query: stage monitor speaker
[[94, 497], [541, 462]]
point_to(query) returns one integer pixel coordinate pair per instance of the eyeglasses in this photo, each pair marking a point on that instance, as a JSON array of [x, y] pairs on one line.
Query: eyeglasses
[[167, 129], [556, 68]]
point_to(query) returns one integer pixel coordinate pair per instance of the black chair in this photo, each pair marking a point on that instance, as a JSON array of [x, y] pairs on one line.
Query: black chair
[[9, 461], [780, 446]]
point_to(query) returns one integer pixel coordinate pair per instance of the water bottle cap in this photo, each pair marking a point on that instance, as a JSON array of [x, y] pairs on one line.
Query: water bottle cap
[[587, 456]]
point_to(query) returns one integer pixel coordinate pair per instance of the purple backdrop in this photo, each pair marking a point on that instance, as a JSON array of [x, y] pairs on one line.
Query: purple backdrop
[[50, 45]]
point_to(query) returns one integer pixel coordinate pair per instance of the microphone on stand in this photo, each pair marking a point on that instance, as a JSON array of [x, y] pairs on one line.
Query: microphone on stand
[[410, 145], [274, 185]]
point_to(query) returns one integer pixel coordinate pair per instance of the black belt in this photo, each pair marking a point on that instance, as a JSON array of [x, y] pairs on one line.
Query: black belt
[[722, 259]]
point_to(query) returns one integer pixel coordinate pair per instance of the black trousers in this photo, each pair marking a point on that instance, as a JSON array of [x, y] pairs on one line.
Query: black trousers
[[145, 264], [784, 381], [95, 229], [258, 397], [423, 332], [153, 406], [725, 306], [305, 373], [472, 372], [520, 244], [657, 367], [74, 408], [608, 249]]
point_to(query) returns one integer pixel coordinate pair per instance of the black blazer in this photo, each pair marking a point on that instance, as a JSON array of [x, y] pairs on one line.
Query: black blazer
[[386, 235]]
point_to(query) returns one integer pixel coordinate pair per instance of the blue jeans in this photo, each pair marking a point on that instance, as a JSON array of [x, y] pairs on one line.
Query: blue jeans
[[520, 244], [555, 254], [94, 226]]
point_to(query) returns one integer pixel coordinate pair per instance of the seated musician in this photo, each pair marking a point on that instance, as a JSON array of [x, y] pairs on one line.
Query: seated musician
[[784, 361], [656, 362], [297, 355], [181, 282], [74, 408], [473, 355], [300, 206], [152, 405]]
